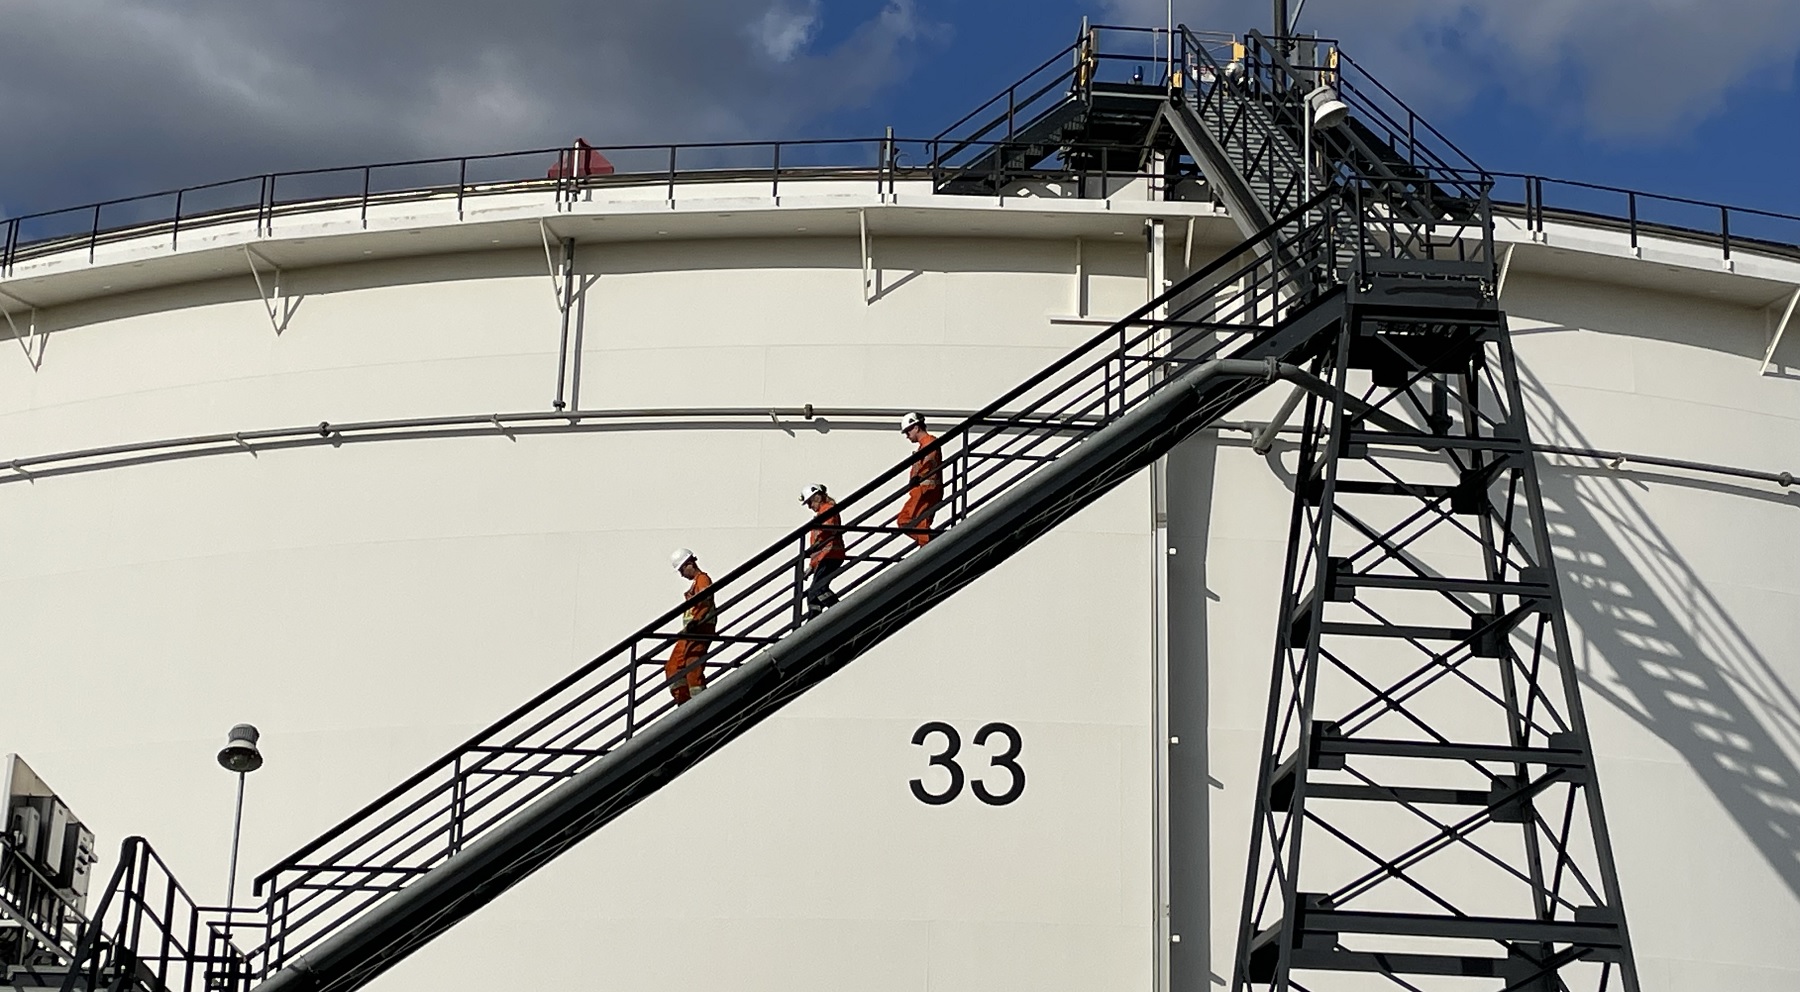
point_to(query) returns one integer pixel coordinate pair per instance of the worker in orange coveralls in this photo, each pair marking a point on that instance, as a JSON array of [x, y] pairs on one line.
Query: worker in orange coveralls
[[824, 548], [927, 482], [699, 622]]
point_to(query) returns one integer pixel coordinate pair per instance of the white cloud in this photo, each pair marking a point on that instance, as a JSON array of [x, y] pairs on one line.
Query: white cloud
[[784, 31], [118, 97], [1637, 69]]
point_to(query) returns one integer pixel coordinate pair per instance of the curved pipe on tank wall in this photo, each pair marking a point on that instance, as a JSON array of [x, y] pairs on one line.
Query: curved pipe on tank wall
[[821, 419]]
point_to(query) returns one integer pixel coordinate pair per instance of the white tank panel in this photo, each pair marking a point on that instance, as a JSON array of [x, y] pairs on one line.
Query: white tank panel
[[370, 602]]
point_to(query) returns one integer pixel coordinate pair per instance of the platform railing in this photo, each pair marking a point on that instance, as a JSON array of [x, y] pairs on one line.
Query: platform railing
[[1102, 53], [263, 206], [262, 202], [149, 934], [34, 909]]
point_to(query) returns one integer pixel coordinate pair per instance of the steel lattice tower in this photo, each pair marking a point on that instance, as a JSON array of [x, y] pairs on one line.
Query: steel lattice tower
[[1426, 809]]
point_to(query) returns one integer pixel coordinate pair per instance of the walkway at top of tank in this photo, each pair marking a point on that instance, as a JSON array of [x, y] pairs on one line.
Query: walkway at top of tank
[[1062, 186], [782, 200]]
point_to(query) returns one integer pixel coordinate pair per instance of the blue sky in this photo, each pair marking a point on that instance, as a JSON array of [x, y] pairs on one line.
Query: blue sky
[[102, 98], [1745, 150]]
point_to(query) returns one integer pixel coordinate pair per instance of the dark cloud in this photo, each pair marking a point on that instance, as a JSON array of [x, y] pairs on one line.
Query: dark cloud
[[101, 97], [1615, 68]]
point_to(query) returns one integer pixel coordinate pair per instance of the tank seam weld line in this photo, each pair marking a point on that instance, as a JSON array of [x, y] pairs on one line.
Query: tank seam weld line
[[701, 418]]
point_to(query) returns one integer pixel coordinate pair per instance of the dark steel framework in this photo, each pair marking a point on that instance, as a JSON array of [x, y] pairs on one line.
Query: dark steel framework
[[1425, 736], [148, 934], [1426, 808], [38, 922]]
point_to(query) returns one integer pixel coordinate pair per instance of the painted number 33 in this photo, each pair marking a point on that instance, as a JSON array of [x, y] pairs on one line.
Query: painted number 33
[[946, 759]]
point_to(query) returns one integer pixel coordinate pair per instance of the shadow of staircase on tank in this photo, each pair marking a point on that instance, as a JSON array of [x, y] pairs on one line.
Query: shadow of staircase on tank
[[1656, 643]]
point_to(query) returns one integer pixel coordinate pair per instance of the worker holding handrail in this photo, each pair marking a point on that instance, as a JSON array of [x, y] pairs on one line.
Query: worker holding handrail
[[686, 666], [927, 476], [824, 548]]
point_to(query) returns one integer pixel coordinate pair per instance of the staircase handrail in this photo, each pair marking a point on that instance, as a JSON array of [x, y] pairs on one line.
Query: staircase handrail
[[1434, 165], [1275, 153]]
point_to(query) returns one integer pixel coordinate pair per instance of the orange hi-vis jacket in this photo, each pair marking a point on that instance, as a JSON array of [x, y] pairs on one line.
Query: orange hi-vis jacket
[[701, 617], [826, 541], [928, 472]]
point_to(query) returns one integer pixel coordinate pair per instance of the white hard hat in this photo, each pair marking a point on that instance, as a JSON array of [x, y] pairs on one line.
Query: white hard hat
[[680, 557], [911, 420], [816, 489]]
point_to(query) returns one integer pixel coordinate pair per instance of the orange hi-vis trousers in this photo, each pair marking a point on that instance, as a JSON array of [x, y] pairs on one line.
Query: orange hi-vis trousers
[[688, 652], [921, 505]]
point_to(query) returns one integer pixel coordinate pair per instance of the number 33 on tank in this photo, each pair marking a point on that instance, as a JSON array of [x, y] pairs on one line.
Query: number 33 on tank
[[1008, 760]]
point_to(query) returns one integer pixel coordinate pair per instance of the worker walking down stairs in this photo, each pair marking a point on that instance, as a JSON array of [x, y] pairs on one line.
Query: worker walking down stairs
[[686, 667], [927, 482], [824, 548]]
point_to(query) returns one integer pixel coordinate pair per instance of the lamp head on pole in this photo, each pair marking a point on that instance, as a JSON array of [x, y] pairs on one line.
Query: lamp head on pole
[[239, 753], [1326, 108]]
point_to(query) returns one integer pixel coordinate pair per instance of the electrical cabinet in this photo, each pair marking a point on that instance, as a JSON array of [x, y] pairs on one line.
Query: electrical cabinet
[[45, 865]]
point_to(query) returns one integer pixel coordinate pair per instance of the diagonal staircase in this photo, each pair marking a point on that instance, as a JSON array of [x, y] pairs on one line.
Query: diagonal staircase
[[409, 865]]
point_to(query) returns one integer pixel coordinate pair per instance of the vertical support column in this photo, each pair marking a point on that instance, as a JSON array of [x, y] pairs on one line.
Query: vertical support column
[[868, 275], [1080, 301], [565, 301], [1185, 951], [1164, 935]]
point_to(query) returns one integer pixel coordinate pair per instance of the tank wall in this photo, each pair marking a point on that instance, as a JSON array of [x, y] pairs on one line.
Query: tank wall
[[368, 605], [371, 603]]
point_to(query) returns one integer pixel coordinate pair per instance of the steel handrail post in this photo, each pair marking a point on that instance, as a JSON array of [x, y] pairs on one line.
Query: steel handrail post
[[94, 234], [462, 184], [672, 173], [1533, 203], [1120, 352], [1362, 244], [775, 173], [1725, 231], [457, 794], [166, 931], [1631, 208], [175, 228], [279, 955], [631, 693], [367, 169], [193, 947]]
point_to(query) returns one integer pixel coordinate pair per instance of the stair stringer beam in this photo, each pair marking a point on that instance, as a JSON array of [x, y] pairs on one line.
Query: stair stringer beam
[[1247, 211], [1028, 145], [734, 703]]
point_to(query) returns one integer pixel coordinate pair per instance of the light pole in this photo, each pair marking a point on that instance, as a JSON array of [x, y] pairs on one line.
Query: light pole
[[1323, 109], [238, 755]]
